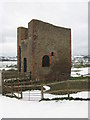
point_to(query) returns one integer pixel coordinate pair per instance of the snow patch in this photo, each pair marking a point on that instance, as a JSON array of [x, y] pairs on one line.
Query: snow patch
[[46, 88], [77, 72], [14, 108]]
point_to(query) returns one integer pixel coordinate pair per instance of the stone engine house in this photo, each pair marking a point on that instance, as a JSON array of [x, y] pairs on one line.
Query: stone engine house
[[44, 50]]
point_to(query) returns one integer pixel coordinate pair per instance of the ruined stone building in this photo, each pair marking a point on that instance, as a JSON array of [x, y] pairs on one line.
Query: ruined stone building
[[45, 50]]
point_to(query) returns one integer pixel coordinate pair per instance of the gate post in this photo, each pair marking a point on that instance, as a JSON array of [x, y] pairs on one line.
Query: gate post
[[68, 87], [42, 95]]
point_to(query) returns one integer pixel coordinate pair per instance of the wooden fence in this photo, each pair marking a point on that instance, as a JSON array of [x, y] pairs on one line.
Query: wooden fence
[[14, 82]]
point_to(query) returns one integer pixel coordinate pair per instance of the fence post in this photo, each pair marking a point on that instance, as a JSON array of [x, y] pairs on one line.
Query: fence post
[[2, 80], [21, 94], [18, 88], [42, 95], [12, 87], [21, 89], [68, 89]]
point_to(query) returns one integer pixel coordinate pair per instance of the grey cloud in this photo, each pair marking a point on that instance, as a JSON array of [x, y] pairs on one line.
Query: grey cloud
[[73, 15]]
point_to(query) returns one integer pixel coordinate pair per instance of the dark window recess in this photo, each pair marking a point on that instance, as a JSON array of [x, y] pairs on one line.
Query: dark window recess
[[52, 53], [25, 65], [45, 61], [19, 59]]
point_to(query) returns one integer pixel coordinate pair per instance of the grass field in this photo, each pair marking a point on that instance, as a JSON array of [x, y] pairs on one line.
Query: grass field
[[71, 86]]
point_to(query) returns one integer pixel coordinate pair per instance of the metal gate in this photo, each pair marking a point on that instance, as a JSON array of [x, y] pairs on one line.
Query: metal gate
[[33, 95]]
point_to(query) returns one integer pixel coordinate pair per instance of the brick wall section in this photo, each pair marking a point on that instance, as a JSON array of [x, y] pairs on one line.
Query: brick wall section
[[22, 35], [49, 38], [44, 38]]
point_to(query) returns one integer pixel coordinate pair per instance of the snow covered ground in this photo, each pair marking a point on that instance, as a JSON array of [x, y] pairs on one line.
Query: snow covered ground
[[27, 95], [76, 72], [4, 64], [11, 107]]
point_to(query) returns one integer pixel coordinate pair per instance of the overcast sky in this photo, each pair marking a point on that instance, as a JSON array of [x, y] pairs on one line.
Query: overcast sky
[[72, 15]]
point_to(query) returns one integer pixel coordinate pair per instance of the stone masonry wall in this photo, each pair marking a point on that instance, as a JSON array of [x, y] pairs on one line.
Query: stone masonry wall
[[44, 39], [22, 35]]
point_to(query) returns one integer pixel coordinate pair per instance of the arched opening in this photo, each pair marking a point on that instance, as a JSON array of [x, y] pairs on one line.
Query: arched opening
[[52, 53], [25, 65], [45, 61]]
